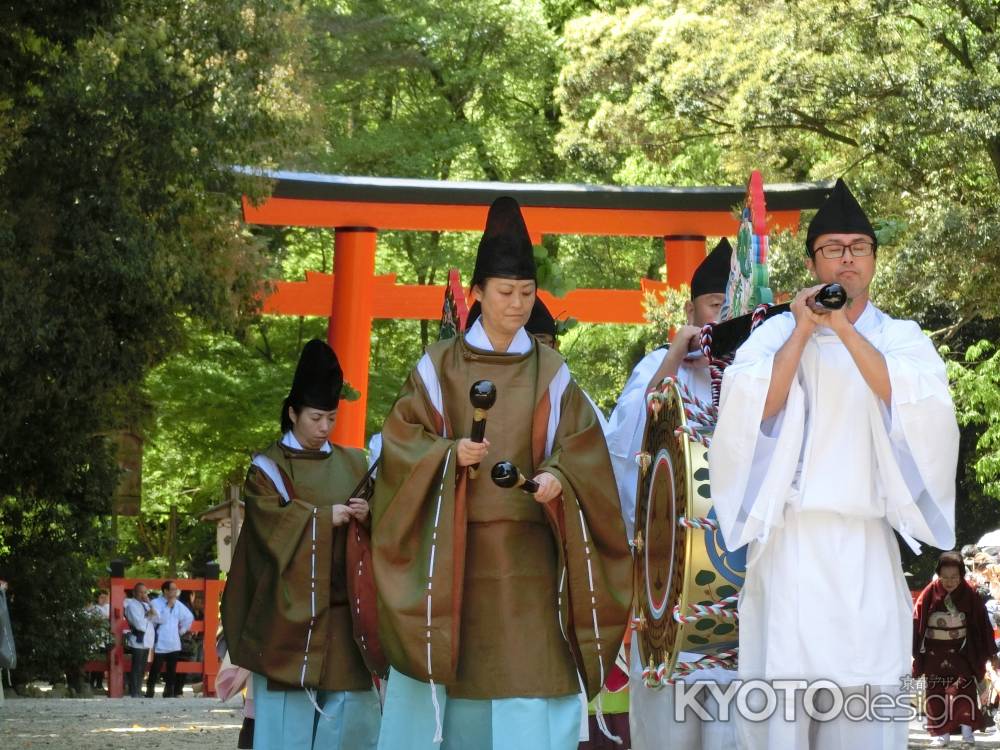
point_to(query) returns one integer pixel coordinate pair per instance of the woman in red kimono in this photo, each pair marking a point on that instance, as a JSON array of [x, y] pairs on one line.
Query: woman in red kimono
[[952, 641]]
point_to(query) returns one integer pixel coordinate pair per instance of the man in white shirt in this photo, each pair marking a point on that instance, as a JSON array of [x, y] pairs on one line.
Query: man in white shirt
[[834, 429], [142, 623], [173, 620]]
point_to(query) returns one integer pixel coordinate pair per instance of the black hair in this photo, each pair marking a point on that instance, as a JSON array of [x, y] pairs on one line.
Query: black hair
[[166, 586], [135, 588], [286, 421], [950, 560]]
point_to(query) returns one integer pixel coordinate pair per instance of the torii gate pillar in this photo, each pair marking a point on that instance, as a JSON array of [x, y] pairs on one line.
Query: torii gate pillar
[[350, 330], [683, 254]]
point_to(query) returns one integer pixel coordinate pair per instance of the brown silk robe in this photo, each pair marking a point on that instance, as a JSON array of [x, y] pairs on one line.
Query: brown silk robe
[[485, 564], [266, 608]]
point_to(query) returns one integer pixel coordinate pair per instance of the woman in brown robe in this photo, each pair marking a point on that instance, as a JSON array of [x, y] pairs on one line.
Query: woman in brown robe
[[952, 642], [500, 612], [286, 610]]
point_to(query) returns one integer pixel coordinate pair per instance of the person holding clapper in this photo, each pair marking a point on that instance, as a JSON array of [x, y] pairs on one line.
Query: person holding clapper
[[500, 611]]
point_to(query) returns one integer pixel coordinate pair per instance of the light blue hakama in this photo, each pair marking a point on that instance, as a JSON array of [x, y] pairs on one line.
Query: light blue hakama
[[500, 724], [287, 719]]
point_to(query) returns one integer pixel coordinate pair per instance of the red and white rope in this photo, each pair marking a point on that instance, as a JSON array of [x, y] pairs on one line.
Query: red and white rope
[[694, 435], [725, 659], [722, 608], [655, 677], [700, 522]]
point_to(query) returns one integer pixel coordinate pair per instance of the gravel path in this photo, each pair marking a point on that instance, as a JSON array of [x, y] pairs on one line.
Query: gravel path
[[101, 723], [159, 724]]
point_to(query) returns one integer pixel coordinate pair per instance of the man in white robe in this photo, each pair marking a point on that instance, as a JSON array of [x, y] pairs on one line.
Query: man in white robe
[[627, 423], [834, 429], [651, 710]]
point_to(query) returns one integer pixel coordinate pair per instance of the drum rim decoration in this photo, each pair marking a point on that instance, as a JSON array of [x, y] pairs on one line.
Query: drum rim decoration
[[661, 403], [671, 631], [661, 609], [748, 286]]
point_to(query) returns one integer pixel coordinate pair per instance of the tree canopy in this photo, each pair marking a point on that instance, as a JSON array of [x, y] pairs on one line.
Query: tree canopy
[[118, 221]]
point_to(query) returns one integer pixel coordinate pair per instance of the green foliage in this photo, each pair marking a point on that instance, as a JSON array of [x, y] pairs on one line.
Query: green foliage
[[118, 221], [885, 92], [115, 214], [438, 89], [47, 555], [550, 275], [349, 393], [666, 312], [786, 265], [467, 81], [216, 402], [565, 325], [598, 357], [976, 385]]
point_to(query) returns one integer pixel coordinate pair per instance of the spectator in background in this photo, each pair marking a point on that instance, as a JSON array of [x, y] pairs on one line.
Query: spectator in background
[[102, 607], [197, 639], [8, 654], [991, 696], [193, 600], [968, 554], [141, 619], [172, 620], [952, 643], [980, 563], [992, 576], [101, 610]]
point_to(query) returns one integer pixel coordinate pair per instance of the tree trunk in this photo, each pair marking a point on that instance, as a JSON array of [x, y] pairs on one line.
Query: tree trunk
[[172, 537], [993, 149]]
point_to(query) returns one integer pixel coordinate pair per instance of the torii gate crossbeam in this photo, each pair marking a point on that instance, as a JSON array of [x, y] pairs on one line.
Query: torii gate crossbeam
[[357, 208]]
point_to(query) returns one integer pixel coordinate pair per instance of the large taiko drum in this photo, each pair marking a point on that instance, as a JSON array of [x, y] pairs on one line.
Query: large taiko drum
[[687, 581]]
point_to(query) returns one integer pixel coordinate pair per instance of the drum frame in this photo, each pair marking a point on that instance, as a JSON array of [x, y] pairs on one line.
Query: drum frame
[[694, 609]]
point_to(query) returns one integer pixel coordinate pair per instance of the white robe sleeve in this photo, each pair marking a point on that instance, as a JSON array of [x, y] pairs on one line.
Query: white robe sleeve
[[374, 450], [916, 438], [624, 431], [429, 377], [753, 465], [556, 390]]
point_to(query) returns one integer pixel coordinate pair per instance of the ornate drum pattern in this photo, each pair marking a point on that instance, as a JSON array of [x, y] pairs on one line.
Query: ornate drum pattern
[[687, 581]]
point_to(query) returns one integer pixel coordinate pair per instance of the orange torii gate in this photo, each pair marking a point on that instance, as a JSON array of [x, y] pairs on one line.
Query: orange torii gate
[[357, 208]]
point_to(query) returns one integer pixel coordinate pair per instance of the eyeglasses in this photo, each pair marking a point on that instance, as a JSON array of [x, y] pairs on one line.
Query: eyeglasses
[[835, 250]]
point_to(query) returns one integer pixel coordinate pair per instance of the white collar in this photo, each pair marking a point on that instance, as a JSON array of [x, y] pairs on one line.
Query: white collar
[[476, 336], [289, 440], [870, 318]]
